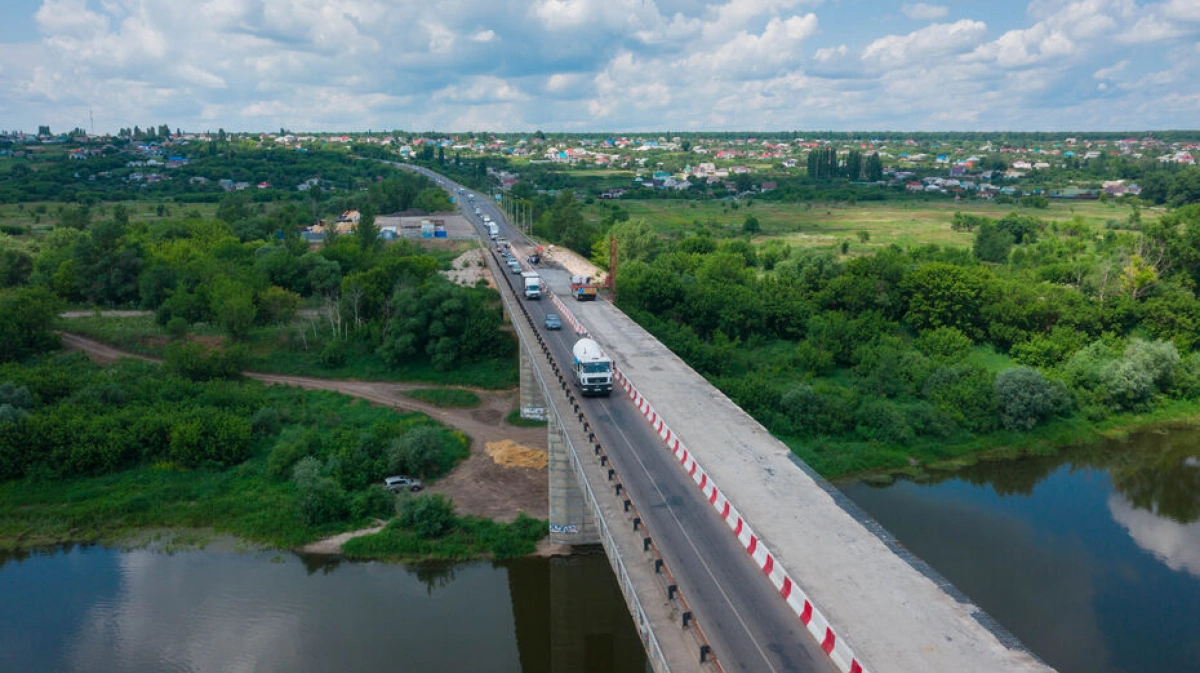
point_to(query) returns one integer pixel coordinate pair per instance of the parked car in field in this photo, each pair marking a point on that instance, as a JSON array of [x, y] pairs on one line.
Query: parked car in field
[[553, 321], [402, 483]]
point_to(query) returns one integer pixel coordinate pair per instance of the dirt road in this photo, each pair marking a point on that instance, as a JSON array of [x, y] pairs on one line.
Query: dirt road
[[478, 485]]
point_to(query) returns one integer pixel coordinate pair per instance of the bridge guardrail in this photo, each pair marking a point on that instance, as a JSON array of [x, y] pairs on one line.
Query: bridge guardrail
[[667, 581], [815, 622]]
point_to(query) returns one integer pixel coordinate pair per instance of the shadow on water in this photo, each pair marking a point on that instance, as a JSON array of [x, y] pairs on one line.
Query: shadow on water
[[1157, 471]]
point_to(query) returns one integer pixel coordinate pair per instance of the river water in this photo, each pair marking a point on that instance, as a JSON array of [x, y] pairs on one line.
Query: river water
[[96, 609], [1091, 558]]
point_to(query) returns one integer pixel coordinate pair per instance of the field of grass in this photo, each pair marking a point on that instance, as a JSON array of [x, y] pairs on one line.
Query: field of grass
[[903, 222], [40, 217], [446, 397], [270, 350]]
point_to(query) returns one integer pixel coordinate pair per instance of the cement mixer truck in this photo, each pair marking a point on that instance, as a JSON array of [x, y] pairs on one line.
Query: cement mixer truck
[[592, 368]]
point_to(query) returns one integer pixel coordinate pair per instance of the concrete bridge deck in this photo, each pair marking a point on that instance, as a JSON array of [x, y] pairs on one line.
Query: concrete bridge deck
[[889, 609], [895, 614]]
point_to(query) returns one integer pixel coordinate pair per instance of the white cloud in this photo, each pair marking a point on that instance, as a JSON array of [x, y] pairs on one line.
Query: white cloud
[[1112, 71], [623, 64], [747, 55], [924, 12], [938, 39], [827, 54], [1182, 10]]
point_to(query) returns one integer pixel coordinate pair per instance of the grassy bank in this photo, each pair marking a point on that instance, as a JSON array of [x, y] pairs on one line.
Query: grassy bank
[[469, 537], [845, 460], [273, 350], [104, 454]]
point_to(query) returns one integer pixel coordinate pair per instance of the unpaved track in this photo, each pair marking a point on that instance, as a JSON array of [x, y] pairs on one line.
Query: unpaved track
[[478, 485]]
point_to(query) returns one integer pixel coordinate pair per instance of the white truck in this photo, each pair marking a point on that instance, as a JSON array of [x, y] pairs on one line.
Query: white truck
[[592, 368], [533, 284], [493, 230]]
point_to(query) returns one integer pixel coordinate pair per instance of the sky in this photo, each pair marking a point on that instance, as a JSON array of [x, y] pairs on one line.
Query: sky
[[601, 65]]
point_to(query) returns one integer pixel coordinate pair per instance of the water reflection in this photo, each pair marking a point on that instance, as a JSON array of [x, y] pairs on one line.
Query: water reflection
[[1158, 471], [103, 610], [1175, 544], [1091, 558]]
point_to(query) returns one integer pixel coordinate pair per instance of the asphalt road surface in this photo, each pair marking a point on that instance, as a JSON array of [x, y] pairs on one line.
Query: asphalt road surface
[[749, 626]]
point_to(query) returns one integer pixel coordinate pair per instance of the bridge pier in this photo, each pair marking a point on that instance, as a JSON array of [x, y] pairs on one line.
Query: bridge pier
[[571, 519], [533, 398]]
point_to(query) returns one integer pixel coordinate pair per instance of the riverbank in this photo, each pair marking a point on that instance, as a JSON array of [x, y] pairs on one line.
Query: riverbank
[[1048, 440], [50, 506]]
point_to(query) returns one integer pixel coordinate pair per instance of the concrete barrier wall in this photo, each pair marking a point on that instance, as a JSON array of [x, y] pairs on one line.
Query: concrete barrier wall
[[816, 623], [812, 618]]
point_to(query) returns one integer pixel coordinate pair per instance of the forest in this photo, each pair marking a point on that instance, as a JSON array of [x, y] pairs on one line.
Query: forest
[[129, 445], [1038, 334]]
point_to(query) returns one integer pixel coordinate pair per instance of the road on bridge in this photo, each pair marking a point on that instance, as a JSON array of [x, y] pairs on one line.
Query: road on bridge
[[749, 626]]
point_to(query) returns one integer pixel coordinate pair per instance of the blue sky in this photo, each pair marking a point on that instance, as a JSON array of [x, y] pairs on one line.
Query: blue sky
[[602, 65]]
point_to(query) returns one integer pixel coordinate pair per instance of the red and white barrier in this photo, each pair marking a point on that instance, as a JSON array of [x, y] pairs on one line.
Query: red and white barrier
[[567, 315], [812, 618]]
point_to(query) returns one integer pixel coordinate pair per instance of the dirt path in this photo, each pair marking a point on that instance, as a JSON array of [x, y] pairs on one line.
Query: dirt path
[[333, 545], [478, 485]]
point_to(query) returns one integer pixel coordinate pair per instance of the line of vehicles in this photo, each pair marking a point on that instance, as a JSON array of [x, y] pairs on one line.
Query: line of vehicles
[[591, 368]]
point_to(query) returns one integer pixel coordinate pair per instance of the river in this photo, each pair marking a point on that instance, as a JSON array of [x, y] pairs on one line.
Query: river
[[1091, 558], [97, 609]]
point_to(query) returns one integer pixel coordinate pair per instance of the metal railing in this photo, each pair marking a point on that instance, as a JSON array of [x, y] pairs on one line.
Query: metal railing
[[650, 551]]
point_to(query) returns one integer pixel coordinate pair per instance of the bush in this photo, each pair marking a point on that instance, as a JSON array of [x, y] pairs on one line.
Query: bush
[[320, 499], [196, 361], [294, 444], [944, 344], [375, 502], [265, 422], [177, 327], [417, 452], [333, 354], [965, 393], [429, 516], [1124, 380], [210, 436], [27, 317], [1025, 398], [883, 422]]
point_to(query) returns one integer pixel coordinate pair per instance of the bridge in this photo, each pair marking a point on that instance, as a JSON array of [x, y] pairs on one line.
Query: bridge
[[732, 555]]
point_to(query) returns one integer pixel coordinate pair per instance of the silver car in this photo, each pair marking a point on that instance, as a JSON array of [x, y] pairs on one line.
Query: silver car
[[401, 483]]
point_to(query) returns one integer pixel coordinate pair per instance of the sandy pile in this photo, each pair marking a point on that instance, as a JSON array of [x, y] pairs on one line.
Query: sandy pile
[[508, 453]]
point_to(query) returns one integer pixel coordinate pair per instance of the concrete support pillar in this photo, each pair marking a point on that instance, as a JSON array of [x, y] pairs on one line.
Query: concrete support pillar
[[533, 398], [571, 521]]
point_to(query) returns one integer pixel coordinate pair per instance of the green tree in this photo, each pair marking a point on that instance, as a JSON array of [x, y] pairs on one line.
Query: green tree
[[277, 305], [944, 295], [992, 244], [27, 319], [365, 232], [233, 308], [321, 499], [1024, 398], [416, 452], [429, 516]]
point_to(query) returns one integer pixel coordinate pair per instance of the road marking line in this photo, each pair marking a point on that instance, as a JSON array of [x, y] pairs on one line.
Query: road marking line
[[703, 562]]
